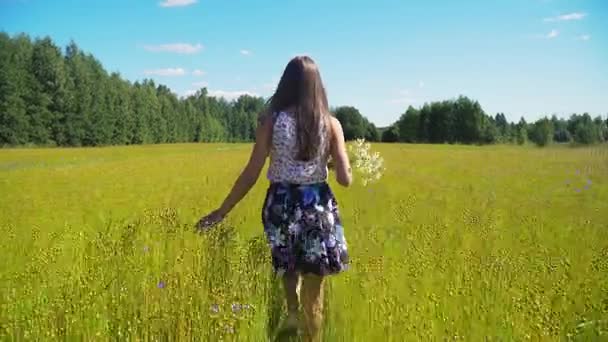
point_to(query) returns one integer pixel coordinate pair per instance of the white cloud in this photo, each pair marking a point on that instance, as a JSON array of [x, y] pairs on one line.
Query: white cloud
[[245, 52], [177, 3], [554, 33], [567, 17], [166, 72], [182, 48], [584, 37], [198, 72], [189, 93], [551, 35], [201, 84], [230, 95]]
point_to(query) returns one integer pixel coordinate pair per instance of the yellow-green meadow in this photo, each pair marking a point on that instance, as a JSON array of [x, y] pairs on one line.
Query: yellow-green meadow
[[469, 243]]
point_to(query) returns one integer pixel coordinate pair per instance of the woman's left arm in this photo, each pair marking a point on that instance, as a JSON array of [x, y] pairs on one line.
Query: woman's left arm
[[248, 176]]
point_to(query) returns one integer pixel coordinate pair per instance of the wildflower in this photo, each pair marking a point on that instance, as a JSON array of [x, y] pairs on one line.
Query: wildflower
[[369, 165], [161, 284], [236, 307], [146, 249], [215, 308]]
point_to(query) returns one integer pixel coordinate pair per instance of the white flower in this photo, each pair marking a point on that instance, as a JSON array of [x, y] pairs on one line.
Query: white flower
[[370, 166]]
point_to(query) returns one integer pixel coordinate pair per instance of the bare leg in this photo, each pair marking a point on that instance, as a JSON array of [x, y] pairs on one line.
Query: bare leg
[[312, 303], [290, 282]]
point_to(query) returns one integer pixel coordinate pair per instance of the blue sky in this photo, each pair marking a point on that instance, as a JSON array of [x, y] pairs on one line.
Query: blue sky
[[522, 57]]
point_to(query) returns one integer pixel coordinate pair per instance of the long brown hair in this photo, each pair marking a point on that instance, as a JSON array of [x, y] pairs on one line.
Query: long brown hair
[[301, 87]]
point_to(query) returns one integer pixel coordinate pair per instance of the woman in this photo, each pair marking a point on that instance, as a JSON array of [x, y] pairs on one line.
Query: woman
[[300, 213]]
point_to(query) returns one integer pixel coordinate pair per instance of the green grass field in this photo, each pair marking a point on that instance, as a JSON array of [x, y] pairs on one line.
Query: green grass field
[[454, 243]]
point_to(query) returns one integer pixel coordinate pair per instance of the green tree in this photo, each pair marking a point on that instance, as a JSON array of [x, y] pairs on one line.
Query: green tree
[[353, 123], [542, 132], [372, 133], [48, 93], [490, 133], [391, 134], [79, 84], [440, 122], [467, 120], [119, 96], [584, 130], [521, 131], [602, 130], [408, 125], [560, 128], [503, 127], [14, 123]]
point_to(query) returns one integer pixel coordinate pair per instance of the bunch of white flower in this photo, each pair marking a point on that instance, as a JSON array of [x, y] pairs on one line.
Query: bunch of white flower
[[369, 165]]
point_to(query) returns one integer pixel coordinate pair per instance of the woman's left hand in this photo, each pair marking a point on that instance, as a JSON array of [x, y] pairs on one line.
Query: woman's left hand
[[210, 220]]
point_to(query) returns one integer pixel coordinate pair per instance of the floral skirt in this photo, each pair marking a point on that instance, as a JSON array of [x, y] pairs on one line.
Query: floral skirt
[[303, 229]]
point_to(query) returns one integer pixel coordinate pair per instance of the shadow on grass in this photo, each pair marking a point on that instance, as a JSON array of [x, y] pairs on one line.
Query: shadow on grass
[[287, 336]]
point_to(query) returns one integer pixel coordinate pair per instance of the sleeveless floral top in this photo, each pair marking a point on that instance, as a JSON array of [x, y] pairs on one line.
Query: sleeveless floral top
[[284, 168]]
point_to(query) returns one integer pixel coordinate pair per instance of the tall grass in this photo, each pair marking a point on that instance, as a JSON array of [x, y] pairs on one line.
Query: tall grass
[[453, 243]]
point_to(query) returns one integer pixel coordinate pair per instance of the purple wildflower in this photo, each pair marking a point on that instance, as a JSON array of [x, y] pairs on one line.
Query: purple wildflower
[[589, 181], [577, 190], [161, 284], [215, 308], [236, 307]]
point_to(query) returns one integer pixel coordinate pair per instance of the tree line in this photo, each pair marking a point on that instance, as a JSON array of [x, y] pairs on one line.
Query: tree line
[[50, 97], [54, 98], [462, 120]]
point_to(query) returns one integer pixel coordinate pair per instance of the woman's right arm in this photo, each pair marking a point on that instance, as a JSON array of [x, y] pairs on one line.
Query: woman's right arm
[[338, 153]]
